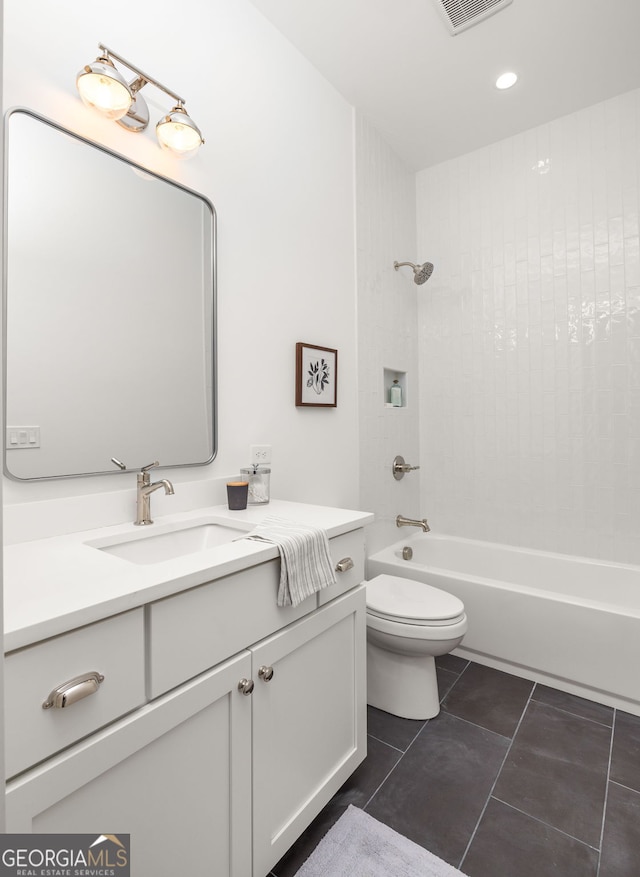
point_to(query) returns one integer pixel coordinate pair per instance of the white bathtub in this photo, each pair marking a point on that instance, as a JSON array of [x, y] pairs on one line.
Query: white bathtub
[[570, 622]]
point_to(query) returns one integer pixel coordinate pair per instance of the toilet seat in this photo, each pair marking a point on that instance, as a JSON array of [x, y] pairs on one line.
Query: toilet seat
[[405, 601]]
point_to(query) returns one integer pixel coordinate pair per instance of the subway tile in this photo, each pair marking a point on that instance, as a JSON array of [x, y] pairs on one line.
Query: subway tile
[[616, 240], [632, 261], [580, 221], [630, 211], [626, 549]]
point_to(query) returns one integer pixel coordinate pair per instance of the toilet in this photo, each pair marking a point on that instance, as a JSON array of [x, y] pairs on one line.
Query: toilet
[[409, 624]]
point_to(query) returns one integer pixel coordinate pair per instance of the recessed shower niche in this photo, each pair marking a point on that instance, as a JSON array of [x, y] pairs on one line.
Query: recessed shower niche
[[395, 388]]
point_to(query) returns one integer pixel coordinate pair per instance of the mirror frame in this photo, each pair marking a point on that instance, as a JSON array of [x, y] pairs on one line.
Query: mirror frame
[[5, 293]]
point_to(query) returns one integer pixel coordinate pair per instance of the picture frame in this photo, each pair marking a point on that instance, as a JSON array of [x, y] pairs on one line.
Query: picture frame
[[316, 376]]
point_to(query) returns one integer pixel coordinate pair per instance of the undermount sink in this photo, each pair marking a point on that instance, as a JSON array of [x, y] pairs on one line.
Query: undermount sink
[[178, 541]]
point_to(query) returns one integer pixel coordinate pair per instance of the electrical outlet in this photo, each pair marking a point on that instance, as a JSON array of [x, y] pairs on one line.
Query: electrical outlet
[[260, 454]]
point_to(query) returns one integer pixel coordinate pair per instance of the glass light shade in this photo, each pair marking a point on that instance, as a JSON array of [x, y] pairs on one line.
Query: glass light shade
[[506, 80], [102, 88], [179, 134]]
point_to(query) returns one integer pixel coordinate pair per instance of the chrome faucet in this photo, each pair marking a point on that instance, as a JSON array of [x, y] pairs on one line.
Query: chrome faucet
[[409, 522], [144, 490]]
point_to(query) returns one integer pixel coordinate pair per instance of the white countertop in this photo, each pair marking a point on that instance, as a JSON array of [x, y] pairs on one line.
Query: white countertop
[[57, 584]]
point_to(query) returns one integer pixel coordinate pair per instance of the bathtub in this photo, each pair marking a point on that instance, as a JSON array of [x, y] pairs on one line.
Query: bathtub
[[570, 622]]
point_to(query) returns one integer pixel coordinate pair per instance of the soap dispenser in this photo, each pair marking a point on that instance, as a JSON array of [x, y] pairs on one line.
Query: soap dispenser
[[395, 394], [259, 478]]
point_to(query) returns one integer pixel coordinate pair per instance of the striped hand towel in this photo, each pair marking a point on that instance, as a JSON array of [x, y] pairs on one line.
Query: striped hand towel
[[305, 562]]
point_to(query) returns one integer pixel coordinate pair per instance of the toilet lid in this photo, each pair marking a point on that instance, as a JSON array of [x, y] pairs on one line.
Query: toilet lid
[[411, 602]]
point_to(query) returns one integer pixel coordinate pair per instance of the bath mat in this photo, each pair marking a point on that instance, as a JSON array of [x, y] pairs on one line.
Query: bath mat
[[360, 846]]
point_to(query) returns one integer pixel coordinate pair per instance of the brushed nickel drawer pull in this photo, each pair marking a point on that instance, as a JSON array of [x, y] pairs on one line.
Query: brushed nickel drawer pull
[[265, 673], [245, 686], [345, 564], [73, 690]]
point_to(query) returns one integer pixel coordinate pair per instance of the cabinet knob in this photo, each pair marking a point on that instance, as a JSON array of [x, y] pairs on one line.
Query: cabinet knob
[[265, 673], [245, 686], [75, 689], [345, 564]]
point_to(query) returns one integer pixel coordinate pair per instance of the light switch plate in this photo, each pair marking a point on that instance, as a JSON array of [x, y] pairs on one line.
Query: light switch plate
[[22, 437]]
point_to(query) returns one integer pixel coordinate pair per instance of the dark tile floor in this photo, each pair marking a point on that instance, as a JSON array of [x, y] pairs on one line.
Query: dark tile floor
[[511, 779]]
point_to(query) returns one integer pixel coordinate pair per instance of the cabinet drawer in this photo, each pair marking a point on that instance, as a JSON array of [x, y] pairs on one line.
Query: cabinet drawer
[[113, 648], [349, 545], [195, 630]]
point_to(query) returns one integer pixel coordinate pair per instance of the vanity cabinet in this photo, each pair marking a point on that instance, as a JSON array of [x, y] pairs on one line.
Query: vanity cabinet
[[240, 742], [195, 630], [309, 721], [31, 674], [175, 775]]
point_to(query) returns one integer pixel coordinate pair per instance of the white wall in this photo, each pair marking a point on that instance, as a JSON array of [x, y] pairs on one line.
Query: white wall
[[530, 337], [2, 769], [387, 331], [277, 165]]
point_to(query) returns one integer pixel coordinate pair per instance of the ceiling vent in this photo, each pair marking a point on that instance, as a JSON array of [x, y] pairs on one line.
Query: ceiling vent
[[462, 14]]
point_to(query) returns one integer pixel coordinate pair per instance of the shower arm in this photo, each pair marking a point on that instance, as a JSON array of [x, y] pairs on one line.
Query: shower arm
[[421, 273]]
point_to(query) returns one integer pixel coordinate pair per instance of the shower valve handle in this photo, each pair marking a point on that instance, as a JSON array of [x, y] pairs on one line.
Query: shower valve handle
[[400, 467]]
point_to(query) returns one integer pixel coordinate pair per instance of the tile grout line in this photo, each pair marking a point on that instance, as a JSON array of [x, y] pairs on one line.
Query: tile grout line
[[391, 770], [570, 713], [409, 746], [475, 725], [606, 790], [506, 755], [390, 745], [547, 824], [461, 673], [623, 786]]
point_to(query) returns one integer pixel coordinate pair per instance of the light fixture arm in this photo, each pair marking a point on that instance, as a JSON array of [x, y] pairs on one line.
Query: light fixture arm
[[143, 79]]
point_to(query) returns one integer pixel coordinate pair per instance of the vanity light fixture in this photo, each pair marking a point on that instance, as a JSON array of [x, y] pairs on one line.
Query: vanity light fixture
[[178, 133], [506, 80], [102, 87]]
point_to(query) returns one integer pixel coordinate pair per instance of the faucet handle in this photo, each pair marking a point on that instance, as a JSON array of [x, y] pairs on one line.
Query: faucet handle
[[149, 466], [118, 463], [400, 467]]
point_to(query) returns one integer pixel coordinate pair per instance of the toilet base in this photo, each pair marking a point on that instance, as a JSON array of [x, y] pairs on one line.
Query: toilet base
[[402, 685]]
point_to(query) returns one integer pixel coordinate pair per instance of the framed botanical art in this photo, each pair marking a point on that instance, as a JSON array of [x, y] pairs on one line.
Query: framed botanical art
[[316, 376]]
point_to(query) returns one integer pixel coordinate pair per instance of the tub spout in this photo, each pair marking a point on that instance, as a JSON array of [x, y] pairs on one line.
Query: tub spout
[[409, 522]]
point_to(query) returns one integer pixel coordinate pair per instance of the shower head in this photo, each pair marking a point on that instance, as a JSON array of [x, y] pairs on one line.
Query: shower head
[[421, 273]]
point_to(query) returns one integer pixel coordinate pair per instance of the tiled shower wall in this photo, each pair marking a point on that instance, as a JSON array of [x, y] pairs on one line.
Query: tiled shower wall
[[387, 331], [529, 337]]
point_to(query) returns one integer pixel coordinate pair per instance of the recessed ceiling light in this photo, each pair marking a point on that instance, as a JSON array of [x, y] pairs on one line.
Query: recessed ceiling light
[[506, 80]]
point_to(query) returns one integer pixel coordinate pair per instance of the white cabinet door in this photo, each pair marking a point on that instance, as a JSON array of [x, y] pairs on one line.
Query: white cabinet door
[[309, 721], [175, 775]]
